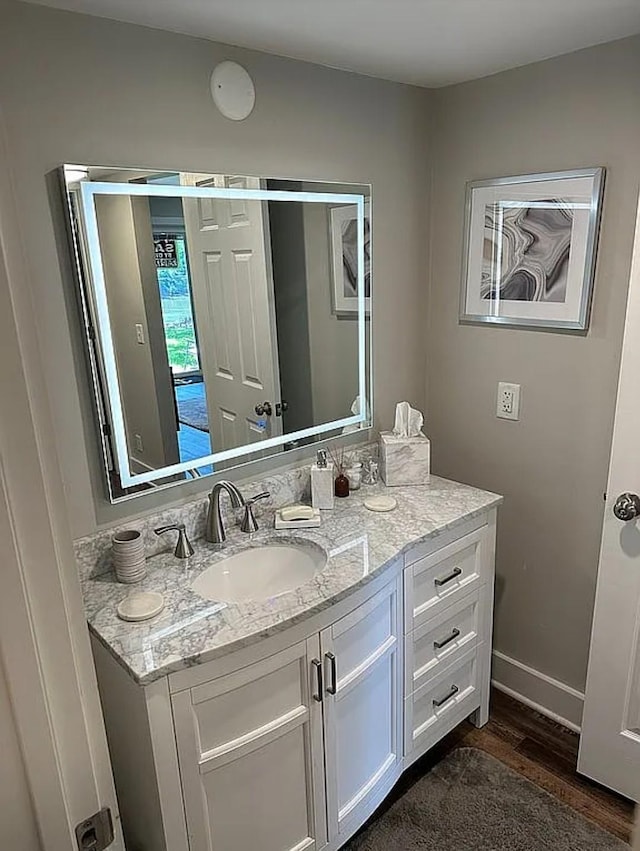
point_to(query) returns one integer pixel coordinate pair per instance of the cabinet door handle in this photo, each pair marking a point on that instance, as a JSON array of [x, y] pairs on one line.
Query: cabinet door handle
[[453, 691], [449, 578], [332, 688], [317, 664], [438, 645]]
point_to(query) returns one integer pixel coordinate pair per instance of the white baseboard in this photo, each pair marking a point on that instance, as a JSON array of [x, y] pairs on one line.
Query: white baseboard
[[550, 697]]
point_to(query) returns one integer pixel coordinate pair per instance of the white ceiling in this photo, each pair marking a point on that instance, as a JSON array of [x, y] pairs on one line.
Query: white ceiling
[[426, 42]]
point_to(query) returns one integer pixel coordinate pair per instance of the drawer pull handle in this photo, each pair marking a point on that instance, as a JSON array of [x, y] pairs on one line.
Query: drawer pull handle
[[332, 688], [317, 664], [438, 645], [446, 579], [453, 691]]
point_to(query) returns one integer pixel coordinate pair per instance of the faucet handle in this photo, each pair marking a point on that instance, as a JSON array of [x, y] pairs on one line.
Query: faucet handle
[[183, 544], [249, 522], [258, 496]]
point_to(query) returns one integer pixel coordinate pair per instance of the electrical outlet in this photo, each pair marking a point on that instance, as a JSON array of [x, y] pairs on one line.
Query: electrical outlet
[[140, 334], [138, 442], [508, 405]]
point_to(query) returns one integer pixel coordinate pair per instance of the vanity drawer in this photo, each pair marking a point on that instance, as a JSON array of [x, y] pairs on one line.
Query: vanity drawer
[[441, 641], [442, 703], [431, 583]]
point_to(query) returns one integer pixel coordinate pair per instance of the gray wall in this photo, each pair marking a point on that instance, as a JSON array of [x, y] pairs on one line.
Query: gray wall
[[81, 89], [333, 340], [123, 280], [17, 822], [578, 110], [286, 230], [318, 350]]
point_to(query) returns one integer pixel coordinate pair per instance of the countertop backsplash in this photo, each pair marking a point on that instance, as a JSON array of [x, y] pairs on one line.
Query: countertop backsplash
[[93, 552]]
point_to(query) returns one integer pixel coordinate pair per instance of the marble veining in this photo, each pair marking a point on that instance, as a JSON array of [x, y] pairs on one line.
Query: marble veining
[[359, 545], [93, 553], [404, 460]]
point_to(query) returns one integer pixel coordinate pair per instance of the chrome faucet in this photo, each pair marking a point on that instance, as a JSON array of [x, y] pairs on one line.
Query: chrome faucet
[[249, 522], [215, 533], [183, 545]]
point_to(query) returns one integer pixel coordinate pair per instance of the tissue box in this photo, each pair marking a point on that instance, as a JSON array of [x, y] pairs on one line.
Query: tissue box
[[404, 460]]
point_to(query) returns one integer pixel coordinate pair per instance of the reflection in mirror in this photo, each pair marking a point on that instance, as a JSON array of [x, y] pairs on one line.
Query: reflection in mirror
[[226, 316]]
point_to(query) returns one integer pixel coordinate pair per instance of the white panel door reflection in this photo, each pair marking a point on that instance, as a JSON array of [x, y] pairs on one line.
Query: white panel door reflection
[[232, 283]]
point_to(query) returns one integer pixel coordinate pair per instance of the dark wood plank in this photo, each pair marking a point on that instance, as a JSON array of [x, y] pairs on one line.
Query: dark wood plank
[[554, 760], [534, 726], [613, 805]]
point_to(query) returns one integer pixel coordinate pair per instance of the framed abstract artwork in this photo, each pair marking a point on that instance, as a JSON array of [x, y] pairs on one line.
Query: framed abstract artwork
[[530, 249], [344, 260]]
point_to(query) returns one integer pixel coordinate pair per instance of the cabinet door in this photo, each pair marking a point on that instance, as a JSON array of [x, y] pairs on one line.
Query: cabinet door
[[363, 709], [251, 758]]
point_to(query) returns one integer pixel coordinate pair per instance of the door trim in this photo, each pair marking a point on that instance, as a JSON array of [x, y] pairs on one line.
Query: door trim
[[43, 635]]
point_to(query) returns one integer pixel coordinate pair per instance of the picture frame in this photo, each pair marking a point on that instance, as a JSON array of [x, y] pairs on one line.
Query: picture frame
[[344, 290], [530, 245]]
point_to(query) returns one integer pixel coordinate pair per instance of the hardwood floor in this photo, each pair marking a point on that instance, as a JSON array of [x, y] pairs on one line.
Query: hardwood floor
[[540, 750]]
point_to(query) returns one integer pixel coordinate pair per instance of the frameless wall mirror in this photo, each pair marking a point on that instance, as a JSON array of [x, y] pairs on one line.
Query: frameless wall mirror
[[226, 317]]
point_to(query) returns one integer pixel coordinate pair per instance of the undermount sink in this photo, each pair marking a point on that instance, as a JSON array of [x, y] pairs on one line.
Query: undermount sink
[[258, 573]]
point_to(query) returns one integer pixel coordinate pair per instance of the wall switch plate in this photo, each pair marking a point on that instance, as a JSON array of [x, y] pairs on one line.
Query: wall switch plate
[[508, 406], [140, 334], [138, 442]]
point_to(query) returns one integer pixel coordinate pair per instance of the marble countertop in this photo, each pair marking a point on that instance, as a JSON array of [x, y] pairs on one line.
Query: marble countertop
[[359, 545]]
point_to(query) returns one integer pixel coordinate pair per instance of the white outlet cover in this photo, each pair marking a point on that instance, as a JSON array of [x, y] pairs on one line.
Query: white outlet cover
[[233, 91], [508, 401]]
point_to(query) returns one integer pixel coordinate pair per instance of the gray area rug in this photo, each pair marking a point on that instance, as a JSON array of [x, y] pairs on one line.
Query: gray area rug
[[472, 802], [193, 412]]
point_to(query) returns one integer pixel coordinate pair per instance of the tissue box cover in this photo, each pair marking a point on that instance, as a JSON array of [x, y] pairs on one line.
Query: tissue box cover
[[404, 460]]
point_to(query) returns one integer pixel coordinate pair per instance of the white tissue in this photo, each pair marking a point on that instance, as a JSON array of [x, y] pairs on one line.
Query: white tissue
[[408, 421], [355, 409]]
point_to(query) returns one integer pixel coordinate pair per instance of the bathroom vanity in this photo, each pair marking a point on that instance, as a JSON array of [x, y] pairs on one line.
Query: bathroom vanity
[[280, 724], [263, 708]]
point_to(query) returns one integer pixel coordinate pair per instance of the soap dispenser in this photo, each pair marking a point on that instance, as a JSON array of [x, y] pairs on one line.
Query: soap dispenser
[[322, 481]]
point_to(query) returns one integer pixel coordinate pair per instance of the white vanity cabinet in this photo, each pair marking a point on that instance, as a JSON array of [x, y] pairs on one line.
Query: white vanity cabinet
[[448, 610], [291, 743], [362, 656], [257, 746], [250, 749]]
